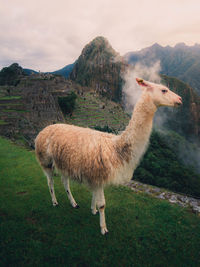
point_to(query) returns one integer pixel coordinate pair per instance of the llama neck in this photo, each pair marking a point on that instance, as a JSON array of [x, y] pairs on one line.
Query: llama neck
[[137, 133]]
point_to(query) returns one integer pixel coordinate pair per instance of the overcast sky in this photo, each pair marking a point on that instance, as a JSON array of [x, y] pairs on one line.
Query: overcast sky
[[46, 35]]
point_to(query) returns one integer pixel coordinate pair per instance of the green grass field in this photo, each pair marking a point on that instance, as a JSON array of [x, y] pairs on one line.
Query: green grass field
[[143, 231]]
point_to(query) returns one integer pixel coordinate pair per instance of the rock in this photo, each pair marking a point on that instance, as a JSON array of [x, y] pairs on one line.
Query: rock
[[161, 196], [181, 200], [173, 199], [196, 209]]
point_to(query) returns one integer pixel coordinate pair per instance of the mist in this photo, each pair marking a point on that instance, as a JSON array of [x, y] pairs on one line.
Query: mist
[[131, 90]]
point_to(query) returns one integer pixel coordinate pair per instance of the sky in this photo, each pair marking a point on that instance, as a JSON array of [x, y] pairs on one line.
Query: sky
[[47, 35]]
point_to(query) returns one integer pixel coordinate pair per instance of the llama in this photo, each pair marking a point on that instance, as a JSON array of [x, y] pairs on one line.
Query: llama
[[96, 158]]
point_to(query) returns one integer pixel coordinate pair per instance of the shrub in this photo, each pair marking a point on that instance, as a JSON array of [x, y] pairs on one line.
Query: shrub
[[67, 103]]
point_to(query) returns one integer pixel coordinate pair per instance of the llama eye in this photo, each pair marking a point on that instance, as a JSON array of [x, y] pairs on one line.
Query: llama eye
[[164, 91]]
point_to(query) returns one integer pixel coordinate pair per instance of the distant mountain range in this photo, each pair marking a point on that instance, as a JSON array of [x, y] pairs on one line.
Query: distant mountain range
[[64, 71], [180, 61]]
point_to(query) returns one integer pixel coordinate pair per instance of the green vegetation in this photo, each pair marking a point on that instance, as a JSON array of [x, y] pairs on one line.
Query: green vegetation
[[15, 110], [67, 103], [92, 111], [105, 128], [143, 231], [2, 122], [10, 97], [11, 75], [161, 166]]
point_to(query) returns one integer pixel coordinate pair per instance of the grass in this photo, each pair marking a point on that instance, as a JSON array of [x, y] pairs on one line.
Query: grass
[[2, 122], [143, 231], [10, 97], [11, 104], [15, 110], [89, 112]]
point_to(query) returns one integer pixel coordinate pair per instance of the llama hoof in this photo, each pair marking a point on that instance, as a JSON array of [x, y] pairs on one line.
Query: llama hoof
[[94, 212], [55, 204], [104, 231], [76, 206]]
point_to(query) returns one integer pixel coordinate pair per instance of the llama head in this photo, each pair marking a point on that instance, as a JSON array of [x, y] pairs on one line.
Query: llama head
[[160, 94]]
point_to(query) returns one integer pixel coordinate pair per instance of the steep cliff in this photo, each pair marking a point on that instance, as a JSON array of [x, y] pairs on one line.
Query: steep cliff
[[99, 67]]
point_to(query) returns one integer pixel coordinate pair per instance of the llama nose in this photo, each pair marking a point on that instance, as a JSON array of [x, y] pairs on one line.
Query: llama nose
[[179, 102]]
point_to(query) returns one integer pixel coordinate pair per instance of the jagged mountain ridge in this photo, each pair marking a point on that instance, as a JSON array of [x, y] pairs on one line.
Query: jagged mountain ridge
[[180, 61]]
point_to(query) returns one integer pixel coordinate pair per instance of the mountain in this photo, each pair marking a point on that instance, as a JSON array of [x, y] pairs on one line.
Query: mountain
[[65, 72], [30, 71], [99, 67], [180, 61], [11, 75]]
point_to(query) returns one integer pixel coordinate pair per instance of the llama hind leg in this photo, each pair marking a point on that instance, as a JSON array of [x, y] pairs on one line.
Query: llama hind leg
[[101, 203], [65, 181], [49, 174]]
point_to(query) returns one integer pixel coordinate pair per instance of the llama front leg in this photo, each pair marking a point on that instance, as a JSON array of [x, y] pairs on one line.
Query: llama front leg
[[65, 181], [100, 201], [49, 175], [93, 204]]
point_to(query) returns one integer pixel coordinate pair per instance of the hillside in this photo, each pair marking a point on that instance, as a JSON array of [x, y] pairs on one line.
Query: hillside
[[92, 110], [180, 61], [30, 106], [186, 119], [99, 67], [143, 231]]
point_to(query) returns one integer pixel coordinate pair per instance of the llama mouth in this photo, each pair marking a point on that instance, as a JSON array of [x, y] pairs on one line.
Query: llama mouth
[[178, 104]]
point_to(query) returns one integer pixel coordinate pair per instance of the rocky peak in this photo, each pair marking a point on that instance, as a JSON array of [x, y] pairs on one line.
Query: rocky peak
[[99, 67], [99, 44]]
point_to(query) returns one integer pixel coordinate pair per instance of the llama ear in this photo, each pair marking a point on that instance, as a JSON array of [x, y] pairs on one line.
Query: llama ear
[[144, 84], [141, 82]]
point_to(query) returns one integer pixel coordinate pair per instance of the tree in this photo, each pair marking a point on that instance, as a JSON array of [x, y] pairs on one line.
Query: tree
[[67, 103]]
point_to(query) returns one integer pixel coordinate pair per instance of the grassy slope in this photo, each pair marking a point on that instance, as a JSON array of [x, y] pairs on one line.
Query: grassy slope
[[89, 112], [143, 231]]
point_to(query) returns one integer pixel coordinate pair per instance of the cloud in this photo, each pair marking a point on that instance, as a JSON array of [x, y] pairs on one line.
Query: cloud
[[131, 90], [48, 34]]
